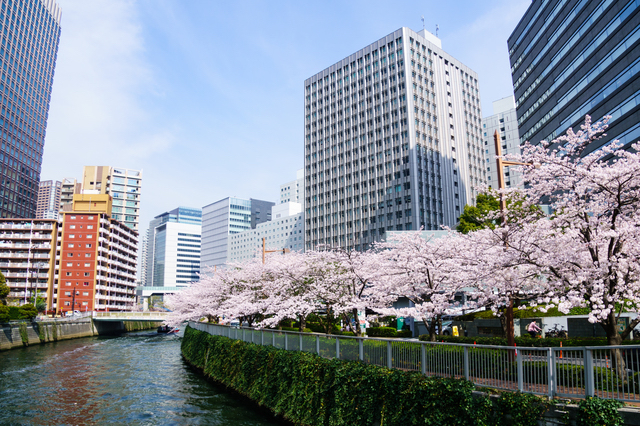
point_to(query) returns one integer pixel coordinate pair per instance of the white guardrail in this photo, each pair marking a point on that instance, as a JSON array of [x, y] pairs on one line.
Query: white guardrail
[[611, 372]]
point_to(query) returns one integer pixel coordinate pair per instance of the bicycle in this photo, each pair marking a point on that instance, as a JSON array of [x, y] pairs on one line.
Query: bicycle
[[557, 332]]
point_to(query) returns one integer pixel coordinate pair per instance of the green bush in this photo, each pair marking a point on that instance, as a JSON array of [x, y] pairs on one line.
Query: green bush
[[599, 412], [311, 390], [381, 332], [404, 333], [14, 313], [28, 311], [4, 313]]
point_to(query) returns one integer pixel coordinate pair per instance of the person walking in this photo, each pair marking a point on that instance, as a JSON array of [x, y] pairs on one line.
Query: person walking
[[533, 329]]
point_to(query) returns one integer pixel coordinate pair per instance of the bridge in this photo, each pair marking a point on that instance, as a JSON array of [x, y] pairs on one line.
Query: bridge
[[130, 316]]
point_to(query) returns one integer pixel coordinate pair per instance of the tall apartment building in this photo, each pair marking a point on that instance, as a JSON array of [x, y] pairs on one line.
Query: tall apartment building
[[505, 121], [49, 193], [30, 35], [293, 192], [123, 185], [173, 248], [285, 230], [69, 188], [28, 259], [227, 217], [392, 141], [97, 258], [569, 59]]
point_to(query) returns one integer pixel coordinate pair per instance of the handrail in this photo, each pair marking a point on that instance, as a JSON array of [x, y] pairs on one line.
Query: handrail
[[575, 372]]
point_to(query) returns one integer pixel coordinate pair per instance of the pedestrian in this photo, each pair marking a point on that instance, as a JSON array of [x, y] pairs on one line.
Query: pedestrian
[[533, 328]]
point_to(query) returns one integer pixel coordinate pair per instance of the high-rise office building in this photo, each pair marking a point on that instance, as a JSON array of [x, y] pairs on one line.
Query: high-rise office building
[[173, 248], [30, 35], [293, 192], [124, 187], [392, 141], [227, 217], [503, 120], [49, 193], [570, 59]]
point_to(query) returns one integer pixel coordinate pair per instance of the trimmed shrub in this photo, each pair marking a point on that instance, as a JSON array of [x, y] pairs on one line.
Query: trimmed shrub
[[28, 311], [404, 333], [14, 313], [381, 332], [4, 313], [310, 390]]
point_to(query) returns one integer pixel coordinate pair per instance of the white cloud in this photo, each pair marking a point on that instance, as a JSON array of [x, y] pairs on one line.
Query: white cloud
[[103, 90]]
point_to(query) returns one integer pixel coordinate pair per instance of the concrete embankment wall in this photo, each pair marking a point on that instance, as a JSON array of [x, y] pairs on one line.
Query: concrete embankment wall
[[18, 334]]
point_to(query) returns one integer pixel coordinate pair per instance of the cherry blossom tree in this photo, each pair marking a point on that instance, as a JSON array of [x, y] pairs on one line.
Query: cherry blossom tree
[[426, 271], [592, 240]]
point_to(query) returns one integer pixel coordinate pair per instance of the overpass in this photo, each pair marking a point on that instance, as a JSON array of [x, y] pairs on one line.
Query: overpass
[[130, 316]]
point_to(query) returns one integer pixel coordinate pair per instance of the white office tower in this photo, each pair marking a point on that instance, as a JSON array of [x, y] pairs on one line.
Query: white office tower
[[392, 142], [293, 191], [285, 230], [505, 121], [173, 248]]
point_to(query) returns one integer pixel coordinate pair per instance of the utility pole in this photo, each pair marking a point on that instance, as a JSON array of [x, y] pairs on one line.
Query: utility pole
[[503, 210], [265, 251]]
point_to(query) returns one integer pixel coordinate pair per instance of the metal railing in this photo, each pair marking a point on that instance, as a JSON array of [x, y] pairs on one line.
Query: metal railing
[[130, 315], [611, 372]]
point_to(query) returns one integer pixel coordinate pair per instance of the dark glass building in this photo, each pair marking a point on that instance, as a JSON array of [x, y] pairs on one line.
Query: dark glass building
[[571, 58], [30, 32]]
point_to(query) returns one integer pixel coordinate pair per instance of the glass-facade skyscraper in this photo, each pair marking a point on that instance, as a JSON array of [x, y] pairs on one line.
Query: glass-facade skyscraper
[[173, 248], [577, 57], [30, 34]]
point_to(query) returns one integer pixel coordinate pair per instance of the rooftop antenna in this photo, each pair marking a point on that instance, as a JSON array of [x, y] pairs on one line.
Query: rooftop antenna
[[423, 23], [437, 28]]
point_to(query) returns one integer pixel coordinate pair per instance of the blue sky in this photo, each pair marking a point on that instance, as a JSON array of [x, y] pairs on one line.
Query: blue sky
[[206, 97]]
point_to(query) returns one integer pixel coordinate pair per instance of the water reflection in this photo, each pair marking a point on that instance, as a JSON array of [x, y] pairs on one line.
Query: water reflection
[[138, 379]]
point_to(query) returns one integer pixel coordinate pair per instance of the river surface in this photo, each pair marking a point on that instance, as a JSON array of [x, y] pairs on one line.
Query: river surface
[[135, 379]]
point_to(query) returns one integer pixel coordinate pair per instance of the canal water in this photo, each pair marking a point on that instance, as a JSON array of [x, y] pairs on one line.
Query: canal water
[[135, 379]]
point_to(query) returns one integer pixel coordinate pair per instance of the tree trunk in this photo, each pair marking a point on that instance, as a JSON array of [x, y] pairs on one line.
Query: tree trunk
[[614, 338], [511, 338], [432, 329], [302, 323], [357, 321]]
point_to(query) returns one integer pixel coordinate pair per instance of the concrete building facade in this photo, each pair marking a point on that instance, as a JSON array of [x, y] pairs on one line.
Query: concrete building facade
[[284, 230], [28, 258], [97, 255], [392, 141], [31, 33], [123, 185], [505, 121], [69, 188], [570, 59], [227, 217], [49, 194], [293, 192]]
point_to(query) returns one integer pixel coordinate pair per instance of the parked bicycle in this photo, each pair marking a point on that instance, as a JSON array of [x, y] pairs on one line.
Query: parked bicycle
[[558, 332]]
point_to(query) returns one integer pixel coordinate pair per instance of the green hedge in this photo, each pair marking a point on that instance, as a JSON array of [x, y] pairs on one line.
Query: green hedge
[[310, 390], [526, 341], [381, 332]]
